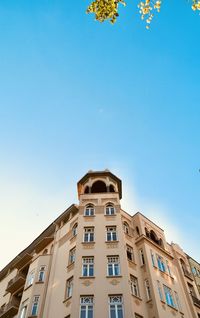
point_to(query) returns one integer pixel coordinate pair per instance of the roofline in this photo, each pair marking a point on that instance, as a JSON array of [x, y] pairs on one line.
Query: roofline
[[48, 231]]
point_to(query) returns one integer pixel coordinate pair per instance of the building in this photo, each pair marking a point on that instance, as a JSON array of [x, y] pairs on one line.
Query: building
[[95, 260]]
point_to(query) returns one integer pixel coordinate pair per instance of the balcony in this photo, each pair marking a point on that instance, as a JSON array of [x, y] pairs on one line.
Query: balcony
[[17, 282], [187, 273], [24, 260], [10, 310], [196, 301]]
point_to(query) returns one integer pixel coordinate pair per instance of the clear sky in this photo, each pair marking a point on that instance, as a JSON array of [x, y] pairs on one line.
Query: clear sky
[[78, 95]]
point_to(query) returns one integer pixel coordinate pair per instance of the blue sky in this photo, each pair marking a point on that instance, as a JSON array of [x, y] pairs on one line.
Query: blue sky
[[79, 95]]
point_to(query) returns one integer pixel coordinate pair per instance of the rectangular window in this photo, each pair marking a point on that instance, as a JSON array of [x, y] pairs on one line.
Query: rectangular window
[[113, 264], [129, 252], [111, 233], [161, 264], [34, 310], [69, 287], [88, 234], [72, 255], [88, 266], [30, 278], [152, 258], [134, 286], [178, 301], [160, 290], [168, 296], [168, 268], [86, 307], [110, 210], [23, 312], [116, 306], [142, 260], [148, 290], [41, 274]]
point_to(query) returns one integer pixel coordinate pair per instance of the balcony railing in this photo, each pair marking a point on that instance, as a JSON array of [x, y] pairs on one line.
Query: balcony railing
[[10, 310], [15, 283], [196, 301]]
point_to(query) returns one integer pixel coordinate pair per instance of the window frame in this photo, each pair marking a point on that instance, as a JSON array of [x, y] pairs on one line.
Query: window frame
[[88, 236], [113, 266], [89, 210], [72, 256], [113, 233], [129, 251], [110, 209], [116, 305], [35, 304], [169, 296], [30, 278], [135, 290], [148, 289], [69, 287], [87, 305], [42, 271], [89, 266]]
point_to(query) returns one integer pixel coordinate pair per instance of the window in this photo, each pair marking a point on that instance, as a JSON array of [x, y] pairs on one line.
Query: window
[[88, 234], [116, 306], [34, 310], [110, 210], [161, 264], [126, 227], [69, 287], [134, 286], [148, 290], [129, 252], [88, 266], [89, 210], [178, 301], [152, 258], [111, 234], [169, 296], [23, 312], [30, 278], [142, 260], [74, 229], [86, 307], [160, 290], [41, 274], [113, 268], [72, 255], [168, 268]]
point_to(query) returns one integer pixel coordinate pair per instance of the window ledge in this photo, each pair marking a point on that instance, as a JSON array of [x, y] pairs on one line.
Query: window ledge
[[89, 216], [71, 265], [114, 276], [87, 277], [172, 307], [137, 297], [112, 241], [131, 262], [88, 243], [73, 237], [28, 288], [110, 215], [149, 301], [66, 299], [38, 282]]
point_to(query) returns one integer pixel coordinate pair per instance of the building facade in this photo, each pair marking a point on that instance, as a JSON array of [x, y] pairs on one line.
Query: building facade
[[95, 260]]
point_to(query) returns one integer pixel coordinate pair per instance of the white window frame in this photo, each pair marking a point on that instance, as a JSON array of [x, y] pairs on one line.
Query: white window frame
[[88, 303], [88, 264], [126, 228], [110, 209], [41, 273], [74, 229], [142, 258], [23, 311], [88, 236], [134, 286], [160, 292], [89, 210], [35, 304], [30, 278], [153, 258], [112, 231], [72, 255], [169, 296], [116, 303], [161, 263], [69, 287], [113, 264], [148, 289], [129, 250]]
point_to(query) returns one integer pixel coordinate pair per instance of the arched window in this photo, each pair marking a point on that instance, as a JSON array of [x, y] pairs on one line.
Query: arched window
[[74, 229], [98, 187], [86, 189], [110, 210], [147, 232], [111, 188], [126, 228], [154, 237], [89, 210]]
